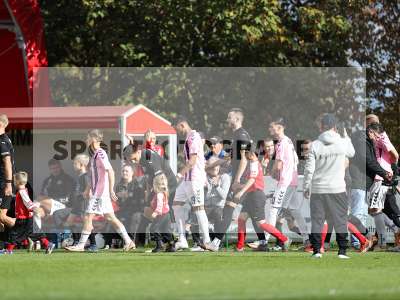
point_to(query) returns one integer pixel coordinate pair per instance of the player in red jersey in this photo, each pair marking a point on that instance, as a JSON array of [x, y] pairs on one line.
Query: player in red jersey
[[252, 192]]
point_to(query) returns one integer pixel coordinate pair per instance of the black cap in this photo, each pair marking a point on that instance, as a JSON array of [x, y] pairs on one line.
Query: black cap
[[215, 140], [328, 121]]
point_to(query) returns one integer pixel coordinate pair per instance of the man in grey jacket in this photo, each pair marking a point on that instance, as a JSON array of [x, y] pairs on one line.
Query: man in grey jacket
[[324, 182]]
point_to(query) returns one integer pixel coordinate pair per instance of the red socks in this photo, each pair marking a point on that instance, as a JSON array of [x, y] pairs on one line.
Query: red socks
[[10, 247], [353, 229], [241, 234], [45, 242], [273, 231]]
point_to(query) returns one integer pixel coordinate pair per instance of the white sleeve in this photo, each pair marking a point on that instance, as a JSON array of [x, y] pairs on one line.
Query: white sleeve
[[25, 198]]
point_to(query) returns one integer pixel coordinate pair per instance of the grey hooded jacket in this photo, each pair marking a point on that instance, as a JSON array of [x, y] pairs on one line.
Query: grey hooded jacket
[[325, 166]]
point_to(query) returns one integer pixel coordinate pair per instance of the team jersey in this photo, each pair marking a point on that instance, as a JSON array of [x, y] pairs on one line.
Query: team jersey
[[6, 149], [156, 148], [383, 146], [194, 145], [286, 153], [240, 141], [159, 204], [23, 205], [254, 171], [99, 165]]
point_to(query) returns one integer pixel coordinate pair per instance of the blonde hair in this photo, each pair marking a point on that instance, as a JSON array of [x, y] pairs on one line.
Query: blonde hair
[[4, 119], [160, 184], [82, 159], [97, 134], [20, 178], [147, 134]]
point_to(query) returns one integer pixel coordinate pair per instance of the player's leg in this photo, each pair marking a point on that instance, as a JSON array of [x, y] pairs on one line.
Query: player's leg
[[5, 205], [196, 194], [120, 229], [276, 205], [241, 239], [86, 231], [181, 215], [337, 205], [317, 212]]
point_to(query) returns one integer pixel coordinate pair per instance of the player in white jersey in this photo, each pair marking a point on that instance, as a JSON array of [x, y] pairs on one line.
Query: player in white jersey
[[285, 172], [100, 194], [191, 188]]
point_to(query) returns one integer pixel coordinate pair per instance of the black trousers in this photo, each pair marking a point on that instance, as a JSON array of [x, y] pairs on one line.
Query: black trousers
[[160, 229], [333, 208], [391, 208]]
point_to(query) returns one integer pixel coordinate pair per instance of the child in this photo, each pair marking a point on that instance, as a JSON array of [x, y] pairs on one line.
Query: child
[[161, 226], [80, 164], [101, 194], [253, 203], [23, 228]]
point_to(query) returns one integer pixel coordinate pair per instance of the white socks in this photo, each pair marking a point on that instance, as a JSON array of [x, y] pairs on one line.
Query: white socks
[[37, 221], [83, 239], [122, 232], [180, 219], [203, 225]]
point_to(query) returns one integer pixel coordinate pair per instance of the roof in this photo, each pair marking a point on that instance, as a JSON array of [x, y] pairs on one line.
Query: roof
[[138, 118]]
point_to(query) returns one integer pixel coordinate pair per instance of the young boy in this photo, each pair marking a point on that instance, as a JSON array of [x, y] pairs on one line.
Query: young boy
[[253, 203], [100, 193], [24, 207], [80, 164]]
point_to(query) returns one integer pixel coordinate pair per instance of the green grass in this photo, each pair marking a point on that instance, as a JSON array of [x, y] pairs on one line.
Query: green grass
[[225, 275]]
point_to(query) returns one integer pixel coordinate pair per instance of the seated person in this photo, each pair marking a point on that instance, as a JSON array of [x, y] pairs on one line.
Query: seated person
[[131, 200], [56, 189]]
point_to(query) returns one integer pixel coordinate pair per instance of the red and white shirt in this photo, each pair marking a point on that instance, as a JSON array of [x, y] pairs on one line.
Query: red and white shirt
[[23, 205], [254, 171], [159, 204]]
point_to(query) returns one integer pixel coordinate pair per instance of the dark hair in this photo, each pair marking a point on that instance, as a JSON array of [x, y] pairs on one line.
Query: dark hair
[[131, 148], [376, 127], [279, 121], [180, 119], [53, 162], [307, 141]]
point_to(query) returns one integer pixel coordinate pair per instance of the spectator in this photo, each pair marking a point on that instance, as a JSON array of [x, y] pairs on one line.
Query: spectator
[[56, 189], [324, 181], [216, 146], [131, 200], [267, 160], [305, 151]]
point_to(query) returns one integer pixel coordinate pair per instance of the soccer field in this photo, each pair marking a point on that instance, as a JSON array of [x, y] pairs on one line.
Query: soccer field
[[225, 275]]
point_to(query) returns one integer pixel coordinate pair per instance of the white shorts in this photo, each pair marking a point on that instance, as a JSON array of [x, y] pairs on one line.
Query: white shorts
[[377, 195], [99, 206], [286, 197], [190, 192], [56, 205]]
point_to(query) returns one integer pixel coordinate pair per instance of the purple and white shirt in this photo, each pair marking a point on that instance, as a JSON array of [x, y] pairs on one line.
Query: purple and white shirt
[[99, 164], [194, 145]]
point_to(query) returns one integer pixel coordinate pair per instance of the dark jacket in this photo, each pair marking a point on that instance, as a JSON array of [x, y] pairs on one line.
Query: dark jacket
[[357, 162]]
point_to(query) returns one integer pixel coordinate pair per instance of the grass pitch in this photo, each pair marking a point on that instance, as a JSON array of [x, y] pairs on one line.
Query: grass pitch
[[224, 275]]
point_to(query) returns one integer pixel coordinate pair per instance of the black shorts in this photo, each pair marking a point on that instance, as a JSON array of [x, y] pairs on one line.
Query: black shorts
[[22, 229], [5, 201], [254, 205]]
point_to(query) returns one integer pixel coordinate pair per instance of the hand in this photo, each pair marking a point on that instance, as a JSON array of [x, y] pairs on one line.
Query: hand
[[179, 177], [306, 194], [154, 215], [129, 138], [389, 176], [86, 194], [236, 186], [215, 181], [238, 196], [8, 189], [113, 196]]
